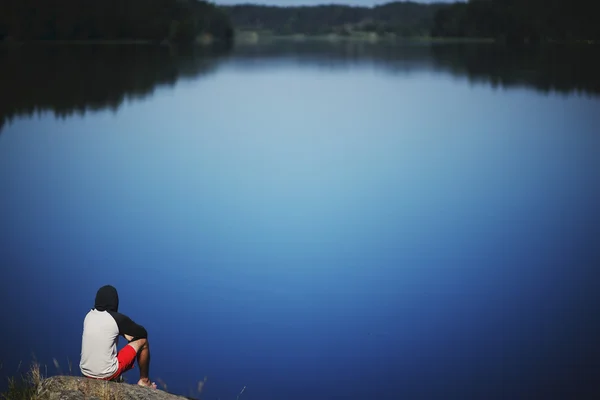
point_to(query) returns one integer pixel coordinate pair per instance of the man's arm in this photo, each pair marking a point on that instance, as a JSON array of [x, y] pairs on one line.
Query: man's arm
[[128, 327]]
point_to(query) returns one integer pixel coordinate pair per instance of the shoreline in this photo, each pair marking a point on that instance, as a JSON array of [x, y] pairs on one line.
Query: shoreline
[[253, 37], [202, 41], [256, 38]]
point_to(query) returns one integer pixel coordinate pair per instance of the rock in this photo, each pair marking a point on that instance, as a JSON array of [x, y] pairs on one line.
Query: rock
[[79, 388]]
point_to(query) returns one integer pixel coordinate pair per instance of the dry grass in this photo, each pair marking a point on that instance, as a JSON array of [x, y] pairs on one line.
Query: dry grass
[[24, 387], [163, 384]]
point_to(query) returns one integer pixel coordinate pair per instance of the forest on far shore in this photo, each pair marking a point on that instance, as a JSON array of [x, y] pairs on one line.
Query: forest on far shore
[[185, 21], [406, 19], [516, 21], [113, 20], [506, 20]]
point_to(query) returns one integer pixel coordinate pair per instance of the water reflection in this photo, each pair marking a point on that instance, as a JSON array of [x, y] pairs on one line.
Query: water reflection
[[563, 69], [66, 80], [77, 79], [552, 69]]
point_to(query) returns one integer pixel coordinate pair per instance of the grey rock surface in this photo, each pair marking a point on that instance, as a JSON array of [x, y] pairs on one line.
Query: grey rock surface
[[79, 388]]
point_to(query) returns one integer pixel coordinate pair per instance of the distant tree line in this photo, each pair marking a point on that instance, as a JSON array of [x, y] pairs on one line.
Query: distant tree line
[[506, 20], [406, 18], [185, 20], [519, 20], [155, 20]]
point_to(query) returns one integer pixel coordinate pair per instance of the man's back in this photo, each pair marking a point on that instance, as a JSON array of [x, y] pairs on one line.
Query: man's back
[[99, 345]]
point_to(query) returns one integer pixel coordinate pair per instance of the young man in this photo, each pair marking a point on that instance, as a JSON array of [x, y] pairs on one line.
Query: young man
[[101, 329]]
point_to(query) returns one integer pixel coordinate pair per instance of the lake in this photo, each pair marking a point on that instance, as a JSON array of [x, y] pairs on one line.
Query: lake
[[309, 220]]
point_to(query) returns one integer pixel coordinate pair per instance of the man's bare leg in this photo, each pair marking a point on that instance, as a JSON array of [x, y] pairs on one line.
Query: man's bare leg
[[142, 348]]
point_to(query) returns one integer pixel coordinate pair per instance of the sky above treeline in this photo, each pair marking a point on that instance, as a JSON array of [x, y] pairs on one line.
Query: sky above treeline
[[317, 2]]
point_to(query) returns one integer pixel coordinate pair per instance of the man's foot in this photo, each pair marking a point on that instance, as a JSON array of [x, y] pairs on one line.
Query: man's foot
[[147, 383]]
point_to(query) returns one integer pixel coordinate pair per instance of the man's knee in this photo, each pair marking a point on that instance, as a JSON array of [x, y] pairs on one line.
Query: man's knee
[[139, 344]]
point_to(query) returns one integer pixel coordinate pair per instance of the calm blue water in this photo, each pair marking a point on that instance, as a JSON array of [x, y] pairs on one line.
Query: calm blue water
[[323, 224]]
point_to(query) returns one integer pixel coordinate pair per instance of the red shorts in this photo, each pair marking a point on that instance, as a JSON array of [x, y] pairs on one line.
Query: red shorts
[[126, 359]]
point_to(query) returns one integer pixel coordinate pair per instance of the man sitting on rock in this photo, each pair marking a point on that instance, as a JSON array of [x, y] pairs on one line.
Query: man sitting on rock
[[101, 329]]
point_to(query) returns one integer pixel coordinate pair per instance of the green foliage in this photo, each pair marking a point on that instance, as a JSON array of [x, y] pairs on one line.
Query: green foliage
[[519, 21], [111, 20]]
